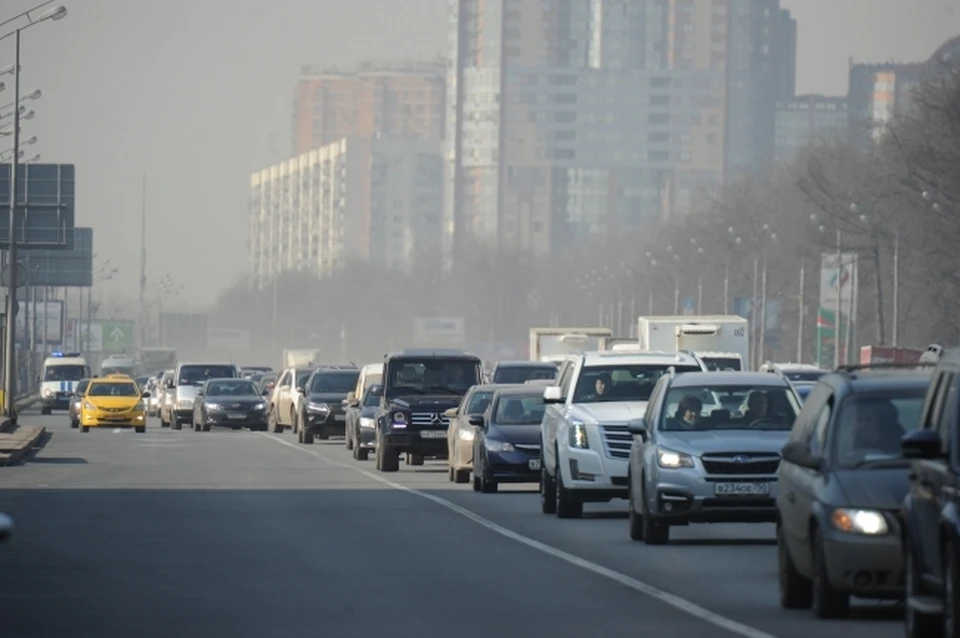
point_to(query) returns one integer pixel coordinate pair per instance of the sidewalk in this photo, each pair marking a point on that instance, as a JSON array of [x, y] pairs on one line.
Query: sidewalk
[[16, 441]]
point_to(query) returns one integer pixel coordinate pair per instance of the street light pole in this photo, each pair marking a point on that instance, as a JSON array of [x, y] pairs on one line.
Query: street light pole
[[10, 341], [896, 288]]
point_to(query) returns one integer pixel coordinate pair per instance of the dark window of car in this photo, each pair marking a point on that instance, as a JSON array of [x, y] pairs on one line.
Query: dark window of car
[[198, 374], [479, 402], [869, 425], [701, 408], [334, 382], [82, 386], [519, 410], [240, 387], [621, 382], [806, 375], [518, 374], [427, 376], [64, 373], [372, 399], [721, 364], [113, 389], [302, 376], [818, 440]]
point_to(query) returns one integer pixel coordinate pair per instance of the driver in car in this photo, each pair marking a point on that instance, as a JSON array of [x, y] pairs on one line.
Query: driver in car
[[456, 379], [756, 407], [876, 428], [687, 416]]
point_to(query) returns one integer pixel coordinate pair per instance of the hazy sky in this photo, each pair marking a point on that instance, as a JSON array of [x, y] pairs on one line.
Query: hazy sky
[[197, 94]]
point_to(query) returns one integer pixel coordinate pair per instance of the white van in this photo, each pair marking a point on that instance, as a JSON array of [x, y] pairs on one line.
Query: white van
[[58, 380]]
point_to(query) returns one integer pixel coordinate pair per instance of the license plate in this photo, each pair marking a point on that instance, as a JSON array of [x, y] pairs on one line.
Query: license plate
[[433, 434], [236, 415], [339, 417], [741, 489], [533, 464]]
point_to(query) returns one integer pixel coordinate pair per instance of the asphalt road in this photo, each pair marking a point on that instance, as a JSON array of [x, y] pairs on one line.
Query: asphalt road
[[248, 534]]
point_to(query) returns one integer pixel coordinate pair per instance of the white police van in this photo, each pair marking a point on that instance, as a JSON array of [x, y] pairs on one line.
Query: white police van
[[61, 373]]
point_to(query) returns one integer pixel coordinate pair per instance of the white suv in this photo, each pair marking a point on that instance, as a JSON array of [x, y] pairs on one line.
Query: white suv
[[584, 442]]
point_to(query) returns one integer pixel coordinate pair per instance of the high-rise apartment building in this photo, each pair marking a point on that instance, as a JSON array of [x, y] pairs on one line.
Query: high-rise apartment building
[[395, 99], [801, 119], [568, 119], [375, 200]]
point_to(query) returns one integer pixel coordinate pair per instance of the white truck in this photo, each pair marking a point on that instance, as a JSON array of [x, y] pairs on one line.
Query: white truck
[[301, 358], [58, 380], [554, 344], [154, 360], [118, 364], [720, 341]]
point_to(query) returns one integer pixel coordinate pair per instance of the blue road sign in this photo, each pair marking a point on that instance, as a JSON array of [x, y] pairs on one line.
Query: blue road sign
[[46, 195], [63, 268], [689, 305]]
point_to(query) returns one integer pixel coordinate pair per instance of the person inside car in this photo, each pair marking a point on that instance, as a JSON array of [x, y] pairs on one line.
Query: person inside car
[[757, 404], [687, 416], [876, 428]]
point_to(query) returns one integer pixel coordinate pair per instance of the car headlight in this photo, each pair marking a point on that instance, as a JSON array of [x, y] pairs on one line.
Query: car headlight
[[185, 403], [466, 435], [89, 406], [866, 522], [47, 392], [673, 460], [140, 406], [318, 407], [260, 406], [366, 422], [578, 435], [213, 407], [498, 446], [398, 420]]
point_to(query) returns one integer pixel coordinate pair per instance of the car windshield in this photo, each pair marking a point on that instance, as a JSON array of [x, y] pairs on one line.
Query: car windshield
[[870, 425], [198, 375], [803, 390], [479, 402], [372, 399], [520, 374], [432, 376], [142, 381], [64, 373], [519, 410], [108, 370], [334, 382], [722, 364], [622, 382], [82, 386], [230, 388], [703, 408], [804, 375], [302, 376], [113, 389]]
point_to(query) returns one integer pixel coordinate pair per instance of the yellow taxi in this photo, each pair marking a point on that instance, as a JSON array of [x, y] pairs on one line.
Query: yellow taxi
[[114, 401]]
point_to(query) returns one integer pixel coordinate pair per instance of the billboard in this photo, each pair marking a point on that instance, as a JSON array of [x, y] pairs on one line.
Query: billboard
[[838, 307], [46, 195], [114, 336], [439, 331], [48, 315], [63, 268]]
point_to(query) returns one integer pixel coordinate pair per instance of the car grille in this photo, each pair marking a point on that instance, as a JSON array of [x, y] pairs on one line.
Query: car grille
[[741, 463], [427, 420], [618, 441], [114, 410], [530, 449], [238, 406]]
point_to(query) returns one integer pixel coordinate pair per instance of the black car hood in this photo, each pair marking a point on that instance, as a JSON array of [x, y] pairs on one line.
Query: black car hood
[[327, 397], [880, 488], [232, 398], [434, 402], [522, 434]]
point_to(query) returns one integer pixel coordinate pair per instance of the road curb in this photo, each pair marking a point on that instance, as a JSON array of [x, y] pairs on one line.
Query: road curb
[[22, 403], [32, 435]]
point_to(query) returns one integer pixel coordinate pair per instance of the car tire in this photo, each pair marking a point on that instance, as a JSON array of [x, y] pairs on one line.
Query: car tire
[[416, 459], [140, 429], [304, 437], [489, 487], [74, 424], [176, 424], [85, 429], [360, 454], [635, 521], [827, 601], [796, 590], [548, 491], [348, 440], [273, 425], [477, 485], [450, 473], [567, 504], [950, 627], [654, 532], [917, 624], [461, 476], [388, 460]]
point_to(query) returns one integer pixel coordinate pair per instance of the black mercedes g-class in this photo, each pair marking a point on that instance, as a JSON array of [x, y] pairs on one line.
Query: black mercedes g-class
[[419, 385]]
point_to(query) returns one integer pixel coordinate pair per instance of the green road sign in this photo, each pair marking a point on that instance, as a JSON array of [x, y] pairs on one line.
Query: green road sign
[[117, 336]]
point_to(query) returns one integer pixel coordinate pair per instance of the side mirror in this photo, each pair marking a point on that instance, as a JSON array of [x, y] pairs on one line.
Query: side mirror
[[199, 393], [552, 394], [638, 427], [301, 390], [798, 453], [6, 527], [145, 395], [170, 385], [476, 419], [451, 413], [265, 392], [922, 444]]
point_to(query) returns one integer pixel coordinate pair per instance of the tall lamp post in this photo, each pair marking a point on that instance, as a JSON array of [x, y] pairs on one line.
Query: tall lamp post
[[10, 372]]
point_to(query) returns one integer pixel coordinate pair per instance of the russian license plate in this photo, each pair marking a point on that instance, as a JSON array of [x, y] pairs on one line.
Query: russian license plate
[[533, 464], [236, 416], [741, 489], [339, 417], [433, 434]]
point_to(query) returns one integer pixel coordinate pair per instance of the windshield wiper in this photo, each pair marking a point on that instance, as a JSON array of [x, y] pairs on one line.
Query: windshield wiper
[[444, 388], [873, 464]]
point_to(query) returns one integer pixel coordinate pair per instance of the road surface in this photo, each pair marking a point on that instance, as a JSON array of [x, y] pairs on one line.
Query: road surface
[[248, 534]]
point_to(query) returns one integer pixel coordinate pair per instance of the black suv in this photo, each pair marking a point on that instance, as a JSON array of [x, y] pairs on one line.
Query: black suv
[[931, 510], [419, 385], [322, 413]]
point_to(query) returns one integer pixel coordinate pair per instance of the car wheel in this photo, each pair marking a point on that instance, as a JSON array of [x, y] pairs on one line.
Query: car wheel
[[917, 624], [140, 429], [477, 486], [85, 429], [548, 491], [567, 504], [654, 532], [796, 590], [274, 424], [950, 602], [450, 473], [635, 521], [304, 437], [827, 601], [462, 476], [388, 459], [348, 440], [74, 423]]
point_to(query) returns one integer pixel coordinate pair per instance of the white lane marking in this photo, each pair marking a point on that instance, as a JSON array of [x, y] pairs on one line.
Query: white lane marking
[[682, 604]]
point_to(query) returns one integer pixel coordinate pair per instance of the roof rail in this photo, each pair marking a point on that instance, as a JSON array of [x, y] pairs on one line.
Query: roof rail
[[777, 371], [672, 371], [886, 365]]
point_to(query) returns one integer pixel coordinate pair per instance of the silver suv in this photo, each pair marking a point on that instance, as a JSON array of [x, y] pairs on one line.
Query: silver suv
[[707, 450]]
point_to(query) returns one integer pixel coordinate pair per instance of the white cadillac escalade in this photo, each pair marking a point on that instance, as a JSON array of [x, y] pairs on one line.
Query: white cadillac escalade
[[584, 442]]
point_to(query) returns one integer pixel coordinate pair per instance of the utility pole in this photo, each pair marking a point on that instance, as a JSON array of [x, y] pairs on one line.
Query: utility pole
[[143, 265]]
